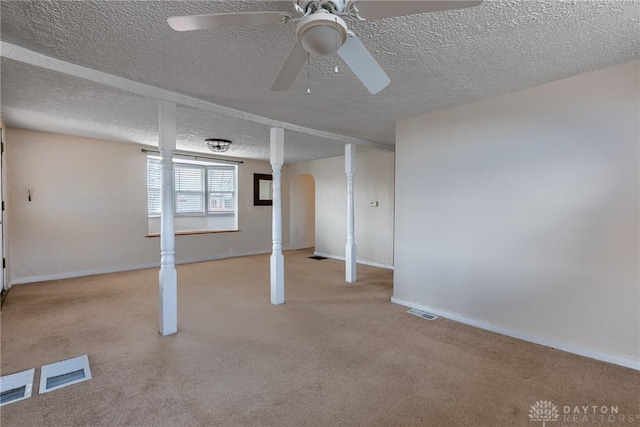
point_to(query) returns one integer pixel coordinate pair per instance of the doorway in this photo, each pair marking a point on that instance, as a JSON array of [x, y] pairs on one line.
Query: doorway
[[303, 212]]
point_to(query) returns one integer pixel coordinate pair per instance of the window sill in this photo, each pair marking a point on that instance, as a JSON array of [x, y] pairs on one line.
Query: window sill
[[195, 215], [188, 233]]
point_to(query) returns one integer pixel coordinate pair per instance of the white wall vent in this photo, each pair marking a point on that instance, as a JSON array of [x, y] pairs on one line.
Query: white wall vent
[[422, 314], [64, 373], [16, 387]]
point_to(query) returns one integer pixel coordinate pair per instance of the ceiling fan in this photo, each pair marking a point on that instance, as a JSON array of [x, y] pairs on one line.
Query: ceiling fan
[[321, 30]]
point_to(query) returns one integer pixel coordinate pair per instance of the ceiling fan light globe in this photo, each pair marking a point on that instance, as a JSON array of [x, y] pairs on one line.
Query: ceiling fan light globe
[[322, 33], [321, 40]]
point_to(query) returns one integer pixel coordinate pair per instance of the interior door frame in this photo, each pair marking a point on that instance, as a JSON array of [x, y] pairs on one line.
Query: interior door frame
[[3, 229]]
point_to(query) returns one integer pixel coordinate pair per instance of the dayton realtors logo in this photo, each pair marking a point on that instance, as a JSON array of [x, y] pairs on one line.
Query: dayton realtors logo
[[546, 411], [601, 414]]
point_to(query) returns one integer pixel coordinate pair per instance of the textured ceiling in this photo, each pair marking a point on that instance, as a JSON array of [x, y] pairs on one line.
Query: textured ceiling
[[434, 60], [37, 99]]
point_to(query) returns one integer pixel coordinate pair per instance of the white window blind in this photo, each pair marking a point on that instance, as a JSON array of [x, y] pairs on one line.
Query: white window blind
[[154, 186], [221, 187], [189, 189], [196, 186]]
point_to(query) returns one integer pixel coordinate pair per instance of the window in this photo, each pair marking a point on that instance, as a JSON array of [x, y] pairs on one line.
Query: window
[[189, 189], [154, 186], [221, 189], [201, 189]]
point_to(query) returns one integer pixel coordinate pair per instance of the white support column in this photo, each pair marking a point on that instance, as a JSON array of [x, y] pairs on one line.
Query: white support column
[[168, 274], [350, 247], [277, 259]]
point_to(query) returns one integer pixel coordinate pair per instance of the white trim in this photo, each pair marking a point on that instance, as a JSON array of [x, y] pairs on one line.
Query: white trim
[[223, 256], [82, 273], [4, 241], [61, 368], [18, 380], [359, 261], [547, 342], [20, 54]]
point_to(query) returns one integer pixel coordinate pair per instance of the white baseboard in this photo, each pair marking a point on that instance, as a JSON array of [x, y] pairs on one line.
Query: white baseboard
[[547, 342], [224, 256], [82, 273], [359, 261]]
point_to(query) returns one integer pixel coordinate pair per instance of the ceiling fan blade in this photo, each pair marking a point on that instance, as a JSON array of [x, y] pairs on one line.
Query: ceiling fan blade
[[225, 20], [378, 9], [290, 69], [363, 65]]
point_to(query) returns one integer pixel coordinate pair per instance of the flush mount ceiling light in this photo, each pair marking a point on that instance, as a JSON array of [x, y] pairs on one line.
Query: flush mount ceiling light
[[217, 145]]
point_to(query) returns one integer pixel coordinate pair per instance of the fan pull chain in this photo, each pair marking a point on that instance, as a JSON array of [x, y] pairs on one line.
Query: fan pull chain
[[308, 73], [335, 70]]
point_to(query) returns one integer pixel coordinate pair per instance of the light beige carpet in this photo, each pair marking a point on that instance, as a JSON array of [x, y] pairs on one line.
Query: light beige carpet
[[335, 354]]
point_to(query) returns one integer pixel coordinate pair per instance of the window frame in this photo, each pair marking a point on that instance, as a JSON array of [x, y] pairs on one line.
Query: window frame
[[234, 193], [205, 167]]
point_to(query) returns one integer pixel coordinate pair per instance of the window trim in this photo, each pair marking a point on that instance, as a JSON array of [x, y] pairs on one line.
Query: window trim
[[233, 193], [205, 166]]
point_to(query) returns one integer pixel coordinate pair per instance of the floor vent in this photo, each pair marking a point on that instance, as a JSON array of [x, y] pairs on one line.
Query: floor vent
[[318, 257], [16, 387], [422, 314], [64, 373]]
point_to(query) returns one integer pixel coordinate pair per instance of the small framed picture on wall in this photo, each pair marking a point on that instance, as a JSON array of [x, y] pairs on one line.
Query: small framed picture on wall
[[262, 189]]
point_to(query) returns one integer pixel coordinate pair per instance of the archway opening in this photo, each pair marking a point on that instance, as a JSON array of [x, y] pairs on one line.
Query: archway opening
[[303, 212]]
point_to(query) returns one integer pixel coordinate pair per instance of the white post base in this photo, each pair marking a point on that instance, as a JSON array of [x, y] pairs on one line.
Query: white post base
[[350, 251], [277, 279], [168, 301]]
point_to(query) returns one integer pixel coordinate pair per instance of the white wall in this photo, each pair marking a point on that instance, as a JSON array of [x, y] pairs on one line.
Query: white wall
[[88, 212], [374, 226], [522, 211]]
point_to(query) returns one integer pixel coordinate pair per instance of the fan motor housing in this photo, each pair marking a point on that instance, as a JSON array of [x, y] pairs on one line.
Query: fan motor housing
[[336, 5], [321, 33]]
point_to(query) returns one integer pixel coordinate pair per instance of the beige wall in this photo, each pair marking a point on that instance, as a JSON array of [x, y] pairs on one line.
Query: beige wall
[[88, 211], [522, 211], [374, 225]]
